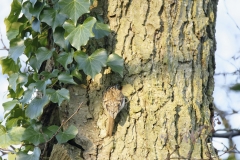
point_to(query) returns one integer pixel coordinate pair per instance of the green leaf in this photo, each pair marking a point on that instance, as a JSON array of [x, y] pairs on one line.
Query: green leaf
[[15, 94], [12, 29], [68, 134], [42, 54], [33, 136], [28, 94], [100, 30], [76, 74], [36, 25], [115, 62], [25, 10], [34, 63], [42, 85], [53, 18], [66, 78], [43, 38], [13, 122], [235, 87], [34, 156], [5, 138], [15, 11], [16, 112], [8, 106], [8, 66], [16, 49], [29, 11], [13, 81], [50, 131], [48, 75], [22, 79], [36, 10], [65, 58], [59, 39], [16, 134], [93, 64], [74, 8], [58, 96], [31, 46], [33, 2], [35, 108], [79, 35]]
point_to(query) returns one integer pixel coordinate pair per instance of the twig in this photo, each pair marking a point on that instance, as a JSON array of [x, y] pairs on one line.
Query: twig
[[4, 46], [63, 123]]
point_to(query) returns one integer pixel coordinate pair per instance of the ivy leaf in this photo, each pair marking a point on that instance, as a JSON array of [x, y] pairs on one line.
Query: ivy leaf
[[76, 74], [65, 58], [48, 75], [66, 78], [25, 10], [22, 79], [235, 87], [115, 62], [28, 94], [13, 122], [5, 138], [68, 134], [53, 18], [100, 30], [16, 94], [59, 39], [34, 136], [58, 96], [42, 38], [12, 29], [15, 11], [50, 131], [79, 35], [42, 54], [31, 46], [16, 49], [74, 8], [34, 156], [34, 63], [33, 2], [42, 85], [16, 134], [36, 25], [12, 81], [93, 64], [35, 108], [8, 66], [30, 10], [8, 106], [36, 10]]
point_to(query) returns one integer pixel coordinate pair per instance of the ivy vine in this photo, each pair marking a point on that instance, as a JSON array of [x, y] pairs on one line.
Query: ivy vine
[[43, 31]]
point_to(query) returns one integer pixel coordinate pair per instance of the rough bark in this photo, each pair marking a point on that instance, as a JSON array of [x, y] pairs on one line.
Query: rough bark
[[168, 47]]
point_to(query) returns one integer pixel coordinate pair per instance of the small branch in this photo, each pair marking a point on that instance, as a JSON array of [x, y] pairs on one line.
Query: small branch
[[4, 46], [228, 134], [230, 15], [6, 151], [63, 123]]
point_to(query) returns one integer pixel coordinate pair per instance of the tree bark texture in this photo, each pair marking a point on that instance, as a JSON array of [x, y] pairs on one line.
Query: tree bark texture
[[168, 47]]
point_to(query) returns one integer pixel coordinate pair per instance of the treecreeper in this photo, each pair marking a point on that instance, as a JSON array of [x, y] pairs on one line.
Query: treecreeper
[[113, 103]]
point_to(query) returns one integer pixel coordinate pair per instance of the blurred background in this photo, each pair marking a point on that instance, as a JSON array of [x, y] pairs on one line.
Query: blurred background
[[227, 75]]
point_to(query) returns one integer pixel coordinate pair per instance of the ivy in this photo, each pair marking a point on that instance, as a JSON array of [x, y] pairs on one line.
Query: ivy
[[55, 32]]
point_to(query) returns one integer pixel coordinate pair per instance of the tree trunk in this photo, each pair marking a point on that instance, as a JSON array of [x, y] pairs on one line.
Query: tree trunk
[[168, 47]]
